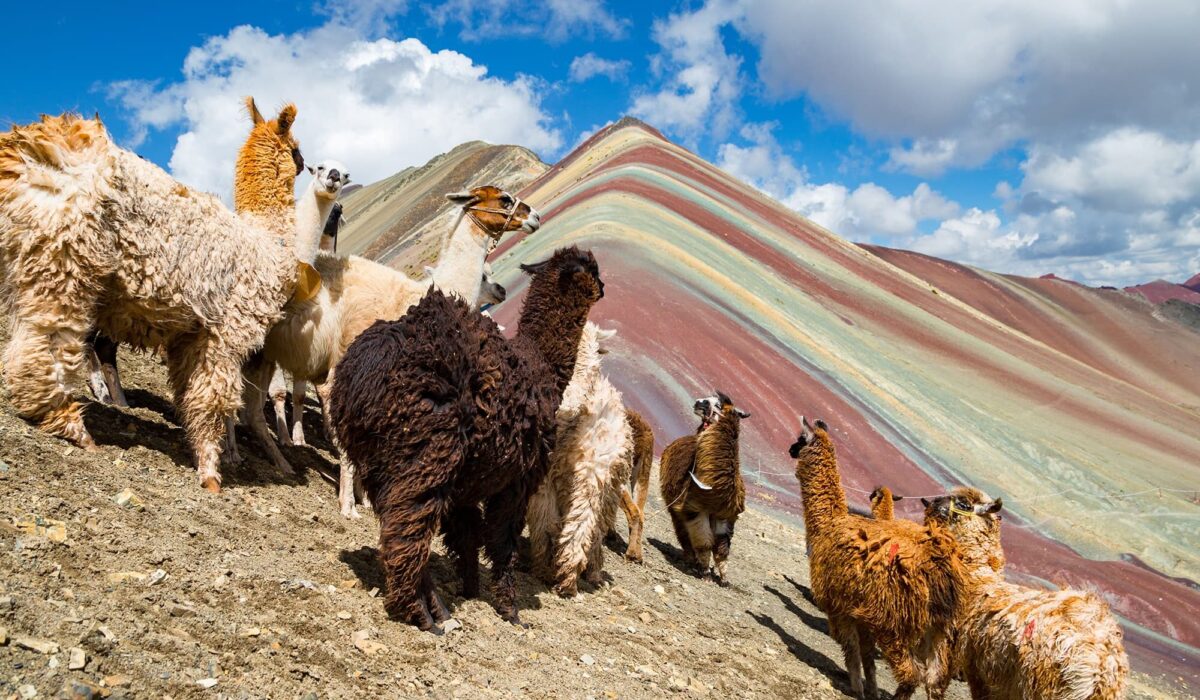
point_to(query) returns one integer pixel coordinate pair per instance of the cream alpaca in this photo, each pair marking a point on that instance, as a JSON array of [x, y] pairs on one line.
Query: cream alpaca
[[97, 237], [1017, 642], [578, 500], [356, 292]]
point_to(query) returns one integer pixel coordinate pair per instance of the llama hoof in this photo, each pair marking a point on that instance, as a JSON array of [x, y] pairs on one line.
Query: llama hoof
[[565, 591], [285, 441], [351, 512], [211, 484], [635, 557], [298, 437]]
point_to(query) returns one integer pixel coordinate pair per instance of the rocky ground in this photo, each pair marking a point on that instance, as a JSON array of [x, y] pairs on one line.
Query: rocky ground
[[119, 577]]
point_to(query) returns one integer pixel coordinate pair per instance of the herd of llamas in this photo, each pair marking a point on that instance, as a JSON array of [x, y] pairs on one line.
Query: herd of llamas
[[443, 425]]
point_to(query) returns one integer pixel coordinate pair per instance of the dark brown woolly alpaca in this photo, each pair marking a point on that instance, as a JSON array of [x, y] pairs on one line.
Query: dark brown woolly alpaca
[[452, 426], [633, 494], [894, 584], [701, 480]]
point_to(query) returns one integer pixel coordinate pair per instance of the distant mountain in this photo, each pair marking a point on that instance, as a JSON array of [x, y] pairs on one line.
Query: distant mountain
[[402, 220], [1158, 291]]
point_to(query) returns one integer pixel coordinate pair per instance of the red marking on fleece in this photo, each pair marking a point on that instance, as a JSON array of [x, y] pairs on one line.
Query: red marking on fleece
[[895, 550], [1029, 630]]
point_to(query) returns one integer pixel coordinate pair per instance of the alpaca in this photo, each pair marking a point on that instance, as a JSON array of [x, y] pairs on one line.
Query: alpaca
[[490, 293], [882, 501], [1018, 642], [96, 237], [891, 583], [701, 480], [634, 492], [445, 415], [577, 502], [356, 292]]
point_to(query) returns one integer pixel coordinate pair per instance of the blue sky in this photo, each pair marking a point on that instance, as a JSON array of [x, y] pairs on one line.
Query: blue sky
[[1019, 136]]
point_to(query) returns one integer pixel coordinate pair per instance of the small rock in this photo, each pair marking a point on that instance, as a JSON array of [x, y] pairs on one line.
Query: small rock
[[82, 690], [128, 499], [677, 684], [363, 643], [660, 590], [587, 660], [156, 577], [3, 636], [373, 592], [645, 671], [53, 530], [451, 625], [115, 681], [77, 659], [41, 646], [27, 691], [343, 615], [124, 576], [695, 686], [180, 610], [250, 632], [206, 682], [348, 584], [220, 581], [646, 617]]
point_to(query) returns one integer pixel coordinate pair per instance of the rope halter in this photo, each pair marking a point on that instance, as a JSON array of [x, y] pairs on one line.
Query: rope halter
[[508, 213]]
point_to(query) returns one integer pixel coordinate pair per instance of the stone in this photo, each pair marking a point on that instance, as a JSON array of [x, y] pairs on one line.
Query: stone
[[660, 590], [206, 682], [115, 681], [250, 632], [3, 636], [344, 615], [41, 646], [587, 660], [451, 625], [76, 659], [156, 577], [128, 499], [118, 577], [48, 528], [363, 643], [27, 691]]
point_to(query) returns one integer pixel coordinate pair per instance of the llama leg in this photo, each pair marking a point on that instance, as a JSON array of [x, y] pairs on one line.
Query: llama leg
[[106, 353], [545, 523], [96, 373], [207, 381], [722, 539], [44, 357], [349, 484], [299, 390], [701, 536], [231, 455], [277, 392], [681, 533], [504, 519], [462, 531], [581, 525], [258, 374], [595, 562], [866, 652], [633, 516], [844, 632], [904, 670], [406, 530]]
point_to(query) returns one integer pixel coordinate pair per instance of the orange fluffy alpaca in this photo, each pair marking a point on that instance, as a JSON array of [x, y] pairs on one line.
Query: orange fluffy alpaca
[[882, 501], [1018, 642], [92, 236], [892, 584]]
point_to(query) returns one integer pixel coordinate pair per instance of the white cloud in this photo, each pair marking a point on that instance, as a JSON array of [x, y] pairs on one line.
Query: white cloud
[[377, 106], [701, 81], [589, 65], [553, 20]]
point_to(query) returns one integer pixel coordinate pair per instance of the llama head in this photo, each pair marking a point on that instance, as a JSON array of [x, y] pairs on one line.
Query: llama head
[[711, 409], [603, 336], [963, 504], [496, 211], [881, 493], [567, 270], [329, 177], [491, 292], [810, 434], [275, 137]]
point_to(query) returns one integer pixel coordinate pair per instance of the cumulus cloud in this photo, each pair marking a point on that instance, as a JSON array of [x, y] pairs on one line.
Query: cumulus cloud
[[590, 65], [553, 20], [700, 80], [376, 105]]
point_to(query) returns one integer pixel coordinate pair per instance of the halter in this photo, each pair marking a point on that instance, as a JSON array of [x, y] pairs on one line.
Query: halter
[[509, 213], [959, 511]]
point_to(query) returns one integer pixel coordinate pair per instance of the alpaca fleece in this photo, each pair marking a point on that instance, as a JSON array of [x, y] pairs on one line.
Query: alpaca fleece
[[892, 584], [634, 493], [94, 236], [453, 426], [704, 519], [883, 504], [1017, 642], [577, 502]]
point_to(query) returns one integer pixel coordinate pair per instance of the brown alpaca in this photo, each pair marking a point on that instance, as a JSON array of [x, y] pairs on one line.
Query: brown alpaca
[[1017, 642], [445, 415], [881, 503], [892, 584], [701, 481], [96, 237], [633, 494]]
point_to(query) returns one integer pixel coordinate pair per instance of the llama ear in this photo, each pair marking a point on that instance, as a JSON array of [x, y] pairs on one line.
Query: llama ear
[[995, 506], [535, 268], [603, 334], [287, 117], [255, 116], [897, 498], [742, 414], [311, 170], [429, 270], [926, 502], [821, 425], [462, 198]]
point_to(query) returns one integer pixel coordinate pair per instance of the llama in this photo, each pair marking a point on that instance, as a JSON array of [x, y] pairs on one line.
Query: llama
[[1018, 642], [490, 294], [882, 503], [634, 492], [891, 583], [577, 502], [97, 237], [701, 480], [356, 292], [445, 415]]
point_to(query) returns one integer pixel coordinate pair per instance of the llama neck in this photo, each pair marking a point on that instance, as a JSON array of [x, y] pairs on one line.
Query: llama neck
[[585, 375], [262, 192], [820, 485], [312, 211], [722, 435], [460, 266], [980, 548], [554, 325]]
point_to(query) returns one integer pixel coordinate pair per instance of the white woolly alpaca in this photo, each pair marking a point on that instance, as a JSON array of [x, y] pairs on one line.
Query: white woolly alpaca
[[100, 238], [356, 292], [578, 500]]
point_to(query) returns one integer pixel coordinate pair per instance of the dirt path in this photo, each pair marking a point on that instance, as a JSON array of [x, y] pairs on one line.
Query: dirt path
[[262, 591]]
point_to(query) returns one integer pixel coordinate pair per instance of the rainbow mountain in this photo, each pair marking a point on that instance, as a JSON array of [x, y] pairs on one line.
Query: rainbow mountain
[[1080, 406]]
